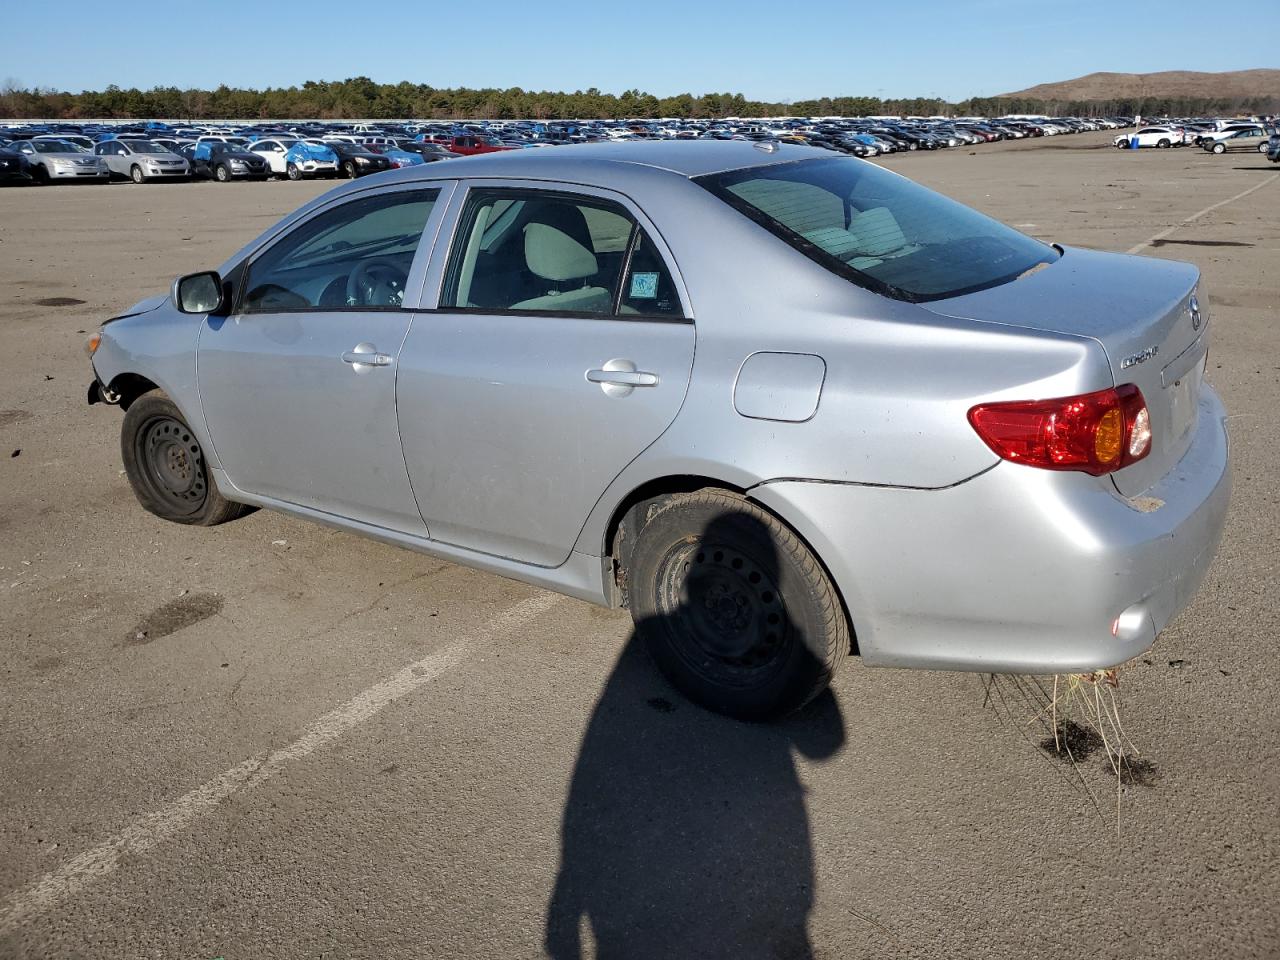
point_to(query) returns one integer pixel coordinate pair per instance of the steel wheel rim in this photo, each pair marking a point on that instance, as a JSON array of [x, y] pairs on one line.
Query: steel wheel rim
[[724, 614], [172, 464]]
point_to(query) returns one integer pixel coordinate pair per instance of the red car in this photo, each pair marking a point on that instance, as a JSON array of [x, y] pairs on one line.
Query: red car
[[466, 146]]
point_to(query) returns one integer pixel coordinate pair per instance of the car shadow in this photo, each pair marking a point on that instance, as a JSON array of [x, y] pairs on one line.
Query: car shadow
[[1268, 168], [685, 834]]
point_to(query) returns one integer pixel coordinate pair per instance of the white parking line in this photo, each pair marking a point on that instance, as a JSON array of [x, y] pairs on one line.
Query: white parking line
[[1196, 216], [155, 828]]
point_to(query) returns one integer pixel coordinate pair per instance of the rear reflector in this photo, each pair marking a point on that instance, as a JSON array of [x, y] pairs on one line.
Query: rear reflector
[[1096, 433]]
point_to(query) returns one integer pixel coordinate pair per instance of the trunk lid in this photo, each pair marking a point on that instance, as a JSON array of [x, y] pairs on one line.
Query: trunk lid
[[1141, 310]]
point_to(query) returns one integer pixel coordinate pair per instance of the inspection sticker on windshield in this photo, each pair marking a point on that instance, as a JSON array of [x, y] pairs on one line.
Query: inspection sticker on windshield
[[644, 286]]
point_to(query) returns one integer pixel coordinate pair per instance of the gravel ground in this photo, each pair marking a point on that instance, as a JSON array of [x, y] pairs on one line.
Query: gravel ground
[[271, 739]]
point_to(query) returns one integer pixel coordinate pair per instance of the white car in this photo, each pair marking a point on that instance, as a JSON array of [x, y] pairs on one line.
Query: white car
[[1150, 137], [276, 151]]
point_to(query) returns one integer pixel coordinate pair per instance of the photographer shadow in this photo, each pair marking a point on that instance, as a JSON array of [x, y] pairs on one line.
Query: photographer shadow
[[685, 833]]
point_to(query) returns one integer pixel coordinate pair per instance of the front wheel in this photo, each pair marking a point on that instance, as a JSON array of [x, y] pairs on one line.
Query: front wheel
[[349, 170], [135, 174], [221, 173], [1219, 148], [292, 172], [732, 606], [166, 466]]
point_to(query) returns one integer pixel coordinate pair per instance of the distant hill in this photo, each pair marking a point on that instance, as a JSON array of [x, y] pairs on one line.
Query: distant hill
[[1173, 84]]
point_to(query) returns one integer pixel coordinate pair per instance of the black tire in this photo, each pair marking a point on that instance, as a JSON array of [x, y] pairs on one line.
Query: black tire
[[221, 173], [292, 172], [166, 466], [41, 174], [349, 170], [135, 174], [1219, 148], [732, 606]]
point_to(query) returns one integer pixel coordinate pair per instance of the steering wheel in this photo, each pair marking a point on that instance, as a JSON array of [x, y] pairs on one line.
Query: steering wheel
[[378, 282]]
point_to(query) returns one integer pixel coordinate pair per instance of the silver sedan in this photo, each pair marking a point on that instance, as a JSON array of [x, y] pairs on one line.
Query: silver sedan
[[782, 405], [57, 160], [142, 160]]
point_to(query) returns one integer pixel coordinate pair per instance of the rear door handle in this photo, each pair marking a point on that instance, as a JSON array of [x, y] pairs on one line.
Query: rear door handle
[[623, 378], [368, 359], [365, 356]]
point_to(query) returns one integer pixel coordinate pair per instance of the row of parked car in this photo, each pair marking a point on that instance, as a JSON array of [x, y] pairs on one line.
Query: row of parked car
[[158, 151], [1214, 136]]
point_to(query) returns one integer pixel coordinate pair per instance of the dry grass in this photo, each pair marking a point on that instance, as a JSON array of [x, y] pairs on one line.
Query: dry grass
[[1077, 714]]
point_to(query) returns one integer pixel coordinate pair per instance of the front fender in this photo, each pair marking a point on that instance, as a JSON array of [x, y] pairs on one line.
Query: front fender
[[160, 346]]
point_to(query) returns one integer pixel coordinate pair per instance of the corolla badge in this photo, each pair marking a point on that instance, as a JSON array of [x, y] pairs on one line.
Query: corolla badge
[[1140, 357], [1194, 306]]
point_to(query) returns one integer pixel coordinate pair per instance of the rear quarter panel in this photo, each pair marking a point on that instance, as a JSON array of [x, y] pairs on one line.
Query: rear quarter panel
[[899, 379]]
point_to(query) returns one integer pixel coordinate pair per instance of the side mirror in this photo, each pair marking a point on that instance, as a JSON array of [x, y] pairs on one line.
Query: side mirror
[[199, 292]]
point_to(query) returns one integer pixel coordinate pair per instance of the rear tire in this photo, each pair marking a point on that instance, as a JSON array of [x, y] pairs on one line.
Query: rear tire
[[135, 174], [166, 466], [1163, 144], [732, 606]]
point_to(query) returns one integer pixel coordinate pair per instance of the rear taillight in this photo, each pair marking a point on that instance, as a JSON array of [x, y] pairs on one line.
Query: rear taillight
[[1095, 433]]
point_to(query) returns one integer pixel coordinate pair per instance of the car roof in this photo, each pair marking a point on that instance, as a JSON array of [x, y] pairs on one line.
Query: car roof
[[687, 158]]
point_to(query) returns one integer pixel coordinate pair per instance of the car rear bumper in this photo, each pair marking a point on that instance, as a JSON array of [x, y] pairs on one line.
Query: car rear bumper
[[1018, 570]]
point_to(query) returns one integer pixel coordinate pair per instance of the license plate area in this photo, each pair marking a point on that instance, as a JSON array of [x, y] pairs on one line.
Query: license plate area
[[1184, 393]]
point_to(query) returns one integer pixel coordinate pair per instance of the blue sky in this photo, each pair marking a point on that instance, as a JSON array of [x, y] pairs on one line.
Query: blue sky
[[766, 50]]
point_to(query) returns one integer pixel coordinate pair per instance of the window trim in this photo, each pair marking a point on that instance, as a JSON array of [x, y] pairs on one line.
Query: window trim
[[421, 257], [575, 193]]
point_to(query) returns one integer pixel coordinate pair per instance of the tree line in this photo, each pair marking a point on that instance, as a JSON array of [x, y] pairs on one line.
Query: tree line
[[361, 98]]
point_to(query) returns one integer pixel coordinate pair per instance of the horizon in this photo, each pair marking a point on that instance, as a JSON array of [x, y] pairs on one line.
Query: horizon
[[956, 52]]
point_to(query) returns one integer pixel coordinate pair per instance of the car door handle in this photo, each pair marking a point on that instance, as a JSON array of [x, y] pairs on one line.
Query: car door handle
[[366, 355], [623, 378]]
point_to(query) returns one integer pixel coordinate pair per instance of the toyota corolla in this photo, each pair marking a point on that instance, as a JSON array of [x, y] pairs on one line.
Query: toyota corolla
[[782, 405]]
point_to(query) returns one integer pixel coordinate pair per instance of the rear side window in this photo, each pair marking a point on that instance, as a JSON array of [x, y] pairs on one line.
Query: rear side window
[[880, 230], [355, 256], [525, 251]]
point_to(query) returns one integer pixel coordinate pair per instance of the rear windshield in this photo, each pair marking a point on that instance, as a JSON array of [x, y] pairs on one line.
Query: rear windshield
[[880, 230]]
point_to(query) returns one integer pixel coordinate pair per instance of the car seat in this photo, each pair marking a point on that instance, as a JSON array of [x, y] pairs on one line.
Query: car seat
[[558, 253]]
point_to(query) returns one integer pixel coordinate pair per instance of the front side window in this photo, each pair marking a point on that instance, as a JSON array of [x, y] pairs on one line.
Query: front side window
[[880, 230], [357, 255], [554, 253]]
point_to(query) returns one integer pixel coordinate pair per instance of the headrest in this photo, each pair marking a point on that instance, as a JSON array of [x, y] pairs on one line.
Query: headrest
[[552, 254]]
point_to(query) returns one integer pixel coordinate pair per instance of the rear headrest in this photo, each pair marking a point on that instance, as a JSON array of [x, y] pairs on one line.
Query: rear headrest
[[552, 254]]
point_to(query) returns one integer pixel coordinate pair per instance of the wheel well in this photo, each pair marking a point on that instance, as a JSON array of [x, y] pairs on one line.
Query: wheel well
[[623, 524], [130, 386]]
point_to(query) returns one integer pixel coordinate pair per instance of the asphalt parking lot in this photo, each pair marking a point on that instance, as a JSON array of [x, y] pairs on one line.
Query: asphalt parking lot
[[271, 739]]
